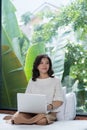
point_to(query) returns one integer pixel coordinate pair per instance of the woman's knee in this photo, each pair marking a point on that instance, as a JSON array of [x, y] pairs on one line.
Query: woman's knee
[[42, 122], [16, 118]]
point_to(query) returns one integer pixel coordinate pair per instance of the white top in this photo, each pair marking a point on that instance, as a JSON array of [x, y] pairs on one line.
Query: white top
[[51, 87]]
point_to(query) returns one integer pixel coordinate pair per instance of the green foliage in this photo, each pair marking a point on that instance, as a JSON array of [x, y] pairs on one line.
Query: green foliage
[[26, 18], [75, 14], [10, 28], [12, 69], [11, 33], [32, 52], [12, 74], [58, 56], [24, 45], [75, 66], [9, 20], [44, 33], [76, 61], [5, 38]]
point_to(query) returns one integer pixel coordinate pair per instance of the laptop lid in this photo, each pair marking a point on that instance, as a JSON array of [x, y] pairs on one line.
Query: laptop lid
[[31, 103]]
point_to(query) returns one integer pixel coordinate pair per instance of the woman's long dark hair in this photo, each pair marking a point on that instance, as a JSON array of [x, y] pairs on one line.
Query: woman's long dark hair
[[35, 71]]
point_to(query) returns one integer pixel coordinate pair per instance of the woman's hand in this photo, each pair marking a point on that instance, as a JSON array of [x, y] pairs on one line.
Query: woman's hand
[[54, 105]]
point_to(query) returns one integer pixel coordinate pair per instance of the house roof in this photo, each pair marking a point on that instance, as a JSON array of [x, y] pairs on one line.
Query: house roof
[[44, 5]]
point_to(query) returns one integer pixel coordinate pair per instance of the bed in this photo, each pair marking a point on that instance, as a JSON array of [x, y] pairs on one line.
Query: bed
[[58, 125]]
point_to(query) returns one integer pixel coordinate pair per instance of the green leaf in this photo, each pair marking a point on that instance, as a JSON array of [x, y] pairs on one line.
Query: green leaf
[[14, 79], [9, 20], [58, 62], [32, 52], [6, 40], [10, 28]]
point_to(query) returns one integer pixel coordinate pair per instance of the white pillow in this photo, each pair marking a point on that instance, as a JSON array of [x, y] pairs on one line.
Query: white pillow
[[61, 109], [70, 107]]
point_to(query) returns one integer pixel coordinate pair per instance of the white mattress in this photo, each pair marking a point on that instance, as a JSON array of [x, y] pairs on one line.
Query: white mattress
[[58, 125]]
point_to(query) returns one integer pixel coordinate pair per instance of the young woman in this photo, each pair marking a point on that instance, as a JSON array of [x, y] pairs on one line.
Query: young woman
[[42, 82]]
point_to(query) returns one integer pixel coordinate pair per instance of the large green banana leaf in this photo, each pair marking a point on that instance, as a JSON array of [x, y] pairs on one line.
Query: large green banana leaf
[[14, 79], [14, 45], [58, 58], [32, 52], [9, 20], [58, 55], [58, 63], [10, 29], [5, 38]]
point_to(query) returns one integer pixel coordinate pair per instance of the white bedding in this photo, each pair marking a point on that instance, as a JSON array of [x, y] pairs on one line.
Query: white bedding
[[58, 125]]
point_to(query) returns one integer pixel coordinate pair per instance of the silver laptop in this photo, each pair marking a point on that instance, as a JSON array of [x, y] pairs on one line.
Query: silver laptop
[[31, 103]]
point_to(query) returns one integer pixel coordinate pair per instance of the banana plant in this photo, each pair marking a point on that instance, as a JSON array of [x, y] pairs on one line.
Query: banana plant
[[14, 79], [32, 52], [9, 20], [10, 28], [58, 52], [58, 62]]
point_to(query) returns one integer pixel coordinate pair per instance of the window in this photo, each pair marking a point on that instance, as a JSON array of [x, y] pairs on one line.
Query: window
[[58, 31]]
